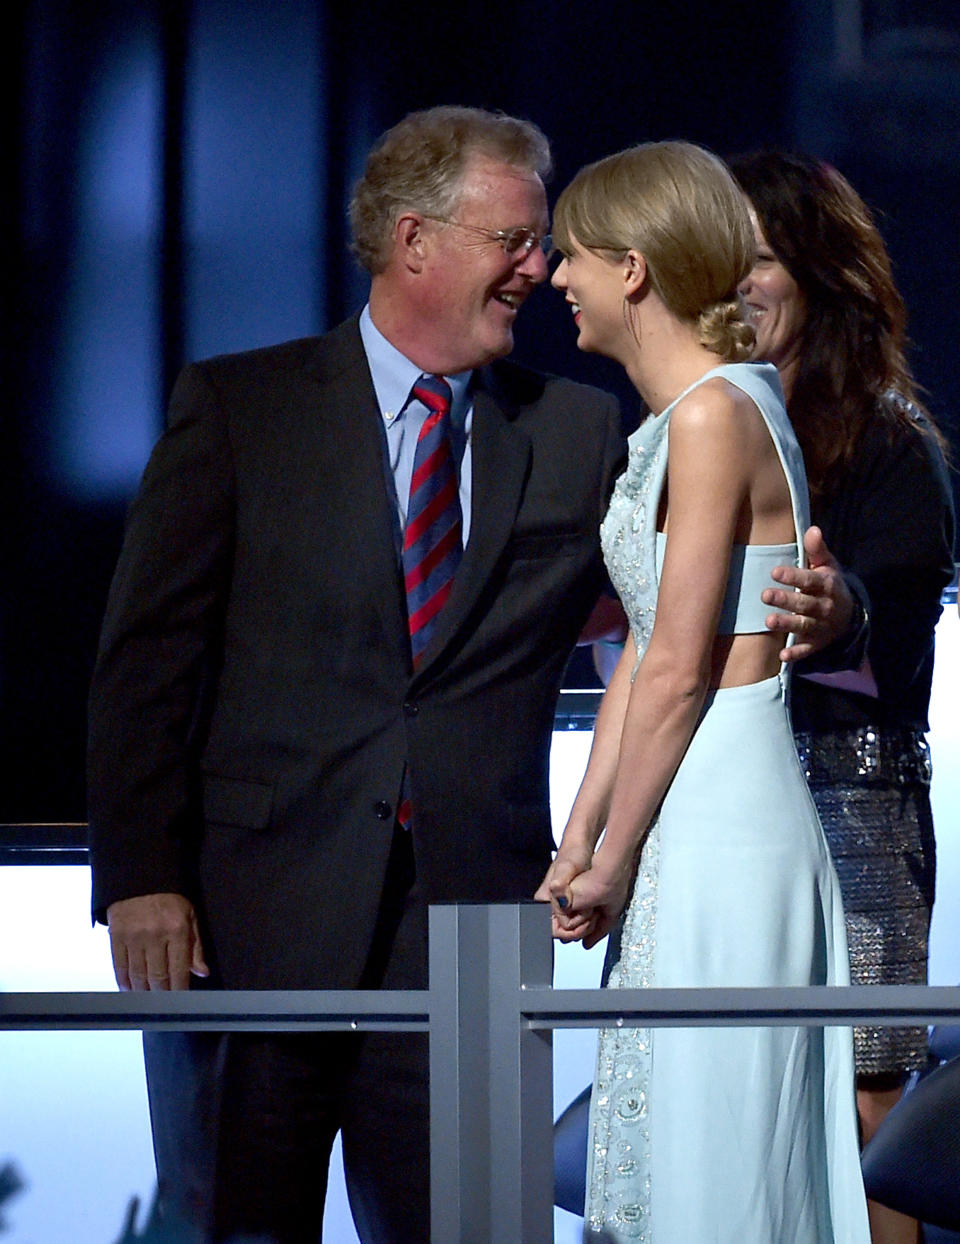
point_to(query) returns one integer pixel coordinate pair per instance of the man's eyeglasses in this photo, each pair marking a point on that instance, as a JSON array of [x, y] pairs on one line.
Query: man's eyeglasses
[[519, 241]]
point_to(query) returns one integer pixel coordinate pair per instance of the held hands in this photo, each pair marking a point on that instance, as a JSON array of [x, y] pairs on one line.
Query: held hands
[[586, 898], [820, 602], [555, 889], [155, 942]]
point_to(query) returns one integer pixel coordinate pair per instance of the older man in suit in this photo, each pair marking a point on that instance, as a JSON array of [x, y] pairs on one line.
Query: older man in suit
[[289, 760]]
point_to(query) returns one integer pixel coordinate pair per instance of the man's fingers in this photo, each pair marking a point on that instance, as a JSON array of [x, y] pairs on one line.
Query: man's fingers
[[798, 624], [810, 583], [817, 603], [121, 964], [184, 958], [789, 576], [171, 964], [816, 549], [198, 965], [159, 979], [797, 652], [155, 942], [137, 971], [157, 963]]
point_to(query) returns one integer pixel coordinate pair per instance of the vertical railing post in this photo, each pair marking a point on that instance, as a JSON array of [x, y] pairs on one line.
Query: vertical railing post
[[521, 1077], [491, 1146], [459, 1135]]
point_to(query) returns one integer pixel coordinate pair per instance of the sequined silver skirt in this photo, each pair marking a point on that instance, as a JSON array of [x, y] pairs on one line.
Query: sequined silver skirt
[[872, 791]]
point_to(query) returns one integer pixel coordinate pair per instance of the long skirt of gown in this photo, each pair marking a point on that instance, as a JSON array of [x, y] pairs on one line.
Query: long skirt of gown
[[729, 1135]]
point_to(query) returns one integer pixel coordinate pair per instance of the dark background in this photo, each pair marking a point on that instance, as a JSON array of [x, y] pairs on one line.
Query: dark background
[[177, 175]]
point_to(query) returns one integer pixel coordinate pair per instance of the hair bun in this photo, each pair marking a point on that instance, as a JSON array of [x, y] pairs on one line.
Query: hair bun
[[724, 330]]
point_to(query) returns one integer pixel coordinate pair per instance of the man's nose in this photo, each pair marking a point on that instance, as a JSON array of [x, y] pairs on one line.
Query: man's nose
[[534, 265]]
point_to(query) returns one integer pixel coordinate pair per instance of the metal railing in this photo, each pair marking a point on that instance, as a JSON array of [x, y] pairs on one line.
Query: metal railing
[[43, 842], [490, 1012]]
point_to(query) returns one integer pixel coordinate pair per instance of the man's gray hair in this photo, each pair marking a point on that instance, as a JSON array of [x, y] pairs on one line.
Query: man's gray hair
[[417, 166]]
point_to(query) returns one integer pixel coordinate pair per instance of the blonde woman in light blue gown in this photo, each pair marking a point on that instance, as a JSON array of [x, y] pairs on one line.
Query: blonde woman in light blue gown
[[693, 839]]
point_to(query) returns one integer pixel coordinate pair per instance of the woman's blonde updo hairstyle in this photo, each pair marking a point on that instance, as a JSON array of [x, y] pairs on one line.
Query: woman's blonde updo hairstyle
[[678, 205]]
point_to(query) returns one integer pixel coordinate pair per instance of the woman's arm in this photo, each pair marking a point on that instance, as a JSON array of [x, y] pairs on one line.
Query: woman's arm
[[589, 812], [891, 526], [901, 547], [709, 474]]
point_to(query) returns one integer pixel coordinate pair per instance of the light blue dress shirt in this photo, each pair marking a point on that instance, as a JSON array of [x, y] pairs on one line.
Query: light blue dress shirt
[[403, 416]]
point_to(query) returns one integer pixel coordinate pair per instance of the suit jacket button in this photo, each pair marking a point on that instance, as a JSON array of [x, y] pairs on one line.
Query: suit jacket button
[[411, 708], [382, 810]]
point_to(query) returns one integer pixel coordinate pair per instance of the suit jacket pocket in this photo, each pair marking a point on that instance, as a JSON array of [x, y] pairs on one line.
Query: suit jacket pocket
[[237, 801]]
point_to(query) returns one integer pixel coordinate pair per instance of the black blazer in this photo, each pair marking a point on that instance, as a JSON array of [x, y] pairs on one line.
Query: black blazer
[[253, 704]]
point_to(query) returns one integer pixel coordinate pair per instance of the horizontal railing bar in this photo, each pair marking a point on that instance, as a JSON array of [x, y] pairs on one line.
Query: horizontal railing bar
[[30, 857], [367, 1010], [893, 1005], [409, 1010], [43, 842]]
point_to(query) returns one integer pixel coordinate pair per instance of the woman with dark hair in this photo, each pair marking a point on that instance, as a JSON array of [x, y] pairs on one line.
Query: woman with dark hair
[[828, 314]]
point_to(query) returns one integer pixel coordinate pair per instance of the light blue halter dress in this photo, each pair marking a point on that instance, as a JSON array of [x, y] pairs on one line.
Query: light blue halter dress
[[725, 1135]]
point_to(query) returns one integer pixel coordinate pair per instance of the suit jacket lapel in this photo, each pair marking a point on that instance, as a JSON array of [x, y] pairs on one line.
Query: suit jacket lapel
[[500, 452], [352, 430]]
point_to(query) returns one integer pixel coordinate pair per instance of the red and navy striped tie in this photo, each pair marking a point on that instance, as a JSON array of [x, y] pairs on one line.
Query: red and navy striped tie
[[432, 541]]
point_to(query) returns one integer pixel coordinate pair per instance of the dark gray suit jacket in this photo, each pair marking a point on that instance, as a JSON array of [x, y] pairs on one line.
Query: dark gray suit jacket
[[253, 705]]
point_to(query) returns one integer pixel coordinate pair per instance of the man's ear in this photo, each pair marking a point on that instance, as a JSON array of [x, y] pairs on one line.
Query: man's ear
[[410, 241], [634, 275]]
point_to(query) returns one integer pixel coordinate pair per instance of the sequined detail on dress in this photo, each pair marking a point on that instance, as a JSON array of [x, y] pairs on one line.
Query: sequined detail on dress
[[628, 534], [871, 788], [895, 756], [618, 1176]]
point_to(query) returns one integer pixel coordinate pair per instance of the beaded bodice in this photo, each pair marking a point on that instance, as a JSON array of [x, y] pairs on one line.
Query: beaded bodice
[[628, 533]]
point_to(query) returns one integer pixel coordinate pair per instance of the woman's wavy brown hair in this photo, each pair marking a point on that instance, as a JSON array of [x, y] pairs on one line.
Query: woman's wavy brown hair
[[851, 367]]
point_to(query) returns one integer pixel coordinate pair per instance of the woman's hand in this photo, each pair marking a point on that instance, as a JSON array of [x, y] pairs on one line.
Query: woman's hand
[[571, 860], [585, 896], [598, 896]]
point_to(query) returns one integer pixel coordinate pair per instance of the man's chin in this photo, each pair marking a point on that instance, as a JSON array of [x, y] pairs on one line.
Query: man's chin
[[497, 350]]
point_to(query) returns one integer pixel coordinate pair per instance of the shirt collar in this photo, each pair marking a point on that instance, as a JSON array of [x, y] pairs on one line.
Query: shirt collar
[[394, 375]]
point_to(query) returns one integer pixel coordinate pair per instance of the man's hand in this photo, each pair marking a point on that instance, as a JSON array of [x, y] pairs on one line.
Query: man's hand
[[820, 610], [155, 942]]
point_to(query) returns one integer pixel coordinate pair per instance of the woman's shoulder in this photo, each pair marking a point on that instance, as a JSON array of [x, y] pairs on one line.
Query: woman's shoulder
[[717, 426], [725, 401], [732, 384], [896, 477], [903, 438]]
